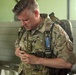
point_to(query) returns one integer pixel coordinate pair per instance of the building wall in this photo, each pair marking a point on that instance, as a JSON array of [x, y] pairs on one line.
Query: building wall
[[46, 6]]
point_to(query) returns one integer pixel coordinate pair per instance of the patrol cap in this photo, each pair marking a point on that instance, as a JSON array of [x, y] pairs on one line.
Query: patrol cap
[[23, 4]]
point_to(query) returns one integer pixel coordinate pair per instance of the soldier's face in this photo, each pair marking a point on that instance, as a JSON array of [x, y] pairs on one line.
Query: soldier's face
[[29, 19]]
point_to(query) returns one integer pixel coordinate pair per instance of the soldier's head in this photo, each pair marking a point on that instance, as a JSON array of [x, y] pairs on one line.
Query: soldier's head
[[25, 4], [27, 12]]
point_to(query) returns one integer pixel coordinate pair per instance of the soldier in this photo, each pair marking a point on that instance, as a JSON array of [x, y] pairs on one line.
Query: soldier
[[30, 44]]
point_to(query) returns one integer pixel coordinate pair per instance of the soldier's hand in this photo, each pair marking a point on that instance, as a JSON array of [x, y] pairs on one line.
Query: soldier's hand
[[19, 52], [29, 59]]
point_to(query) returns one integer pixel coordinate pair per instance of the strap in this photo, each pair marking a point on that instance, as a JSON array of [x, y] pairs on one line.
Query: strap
[[48, 40]]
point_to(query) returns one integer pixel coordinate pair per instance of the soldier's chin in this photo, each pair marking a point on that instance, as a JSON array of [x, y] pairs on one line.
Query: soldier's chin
[[27, 28]]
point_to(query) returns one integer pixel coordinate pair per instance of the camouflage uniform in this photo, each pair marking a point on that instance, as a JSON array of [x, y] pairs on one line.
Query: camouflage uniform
[[33, 42]]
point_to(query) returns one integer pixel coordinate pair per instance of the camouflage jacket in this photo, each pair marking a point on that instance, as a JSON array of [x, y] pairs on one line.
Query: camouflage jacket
[[33, 42]]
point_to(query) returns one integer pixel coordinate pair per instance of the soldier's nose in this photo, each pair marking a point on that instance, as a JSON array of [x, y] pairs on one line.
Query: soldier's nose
[[23, 23]]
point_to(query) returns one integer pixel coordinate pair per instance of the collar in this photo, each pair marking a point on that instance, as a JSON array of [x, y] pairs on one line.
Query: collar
[[41, 27]]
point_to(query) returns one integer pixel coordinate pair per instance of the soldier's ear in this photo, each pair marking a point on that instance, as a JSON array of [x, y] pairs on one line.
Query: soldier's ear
[[36, 12]]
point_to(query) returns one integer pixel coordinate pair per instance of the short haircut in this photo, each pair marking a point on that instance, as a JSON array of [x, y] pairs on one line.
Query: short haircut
[[23, 4]]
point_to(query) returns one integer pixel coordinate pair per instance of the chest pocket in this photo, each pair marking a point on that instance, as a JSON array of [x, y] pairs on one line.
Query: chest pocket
[[38, 43]]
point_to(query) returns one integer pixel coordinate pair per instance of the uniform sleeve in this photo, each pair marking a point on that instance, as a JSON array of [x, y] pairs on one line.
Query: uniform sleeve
[[62, 45], [18, 36], [16, 43], [21, 31]]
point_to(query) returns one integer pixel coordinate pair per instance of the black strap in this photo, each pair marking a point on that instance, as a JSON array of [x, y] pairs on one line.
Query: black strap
[[48, 40]]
